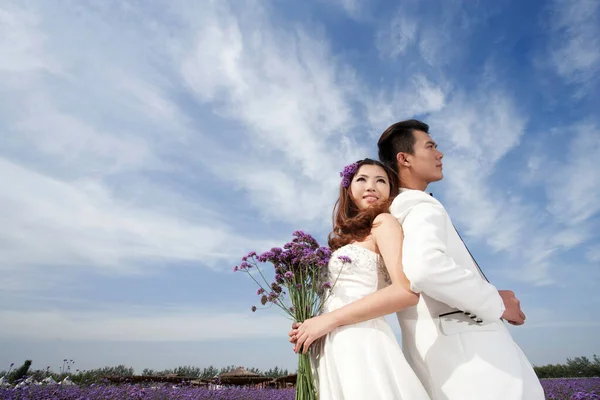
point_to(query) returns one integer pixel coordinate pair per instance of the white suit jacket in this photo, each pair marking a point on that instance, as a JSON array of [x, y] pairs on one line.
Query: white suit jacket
[[457, 356]]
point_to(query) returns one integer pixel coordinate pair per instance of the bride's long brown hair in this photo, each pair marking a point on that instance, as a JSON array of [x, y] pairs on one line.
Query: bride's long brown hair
[[350, 224]]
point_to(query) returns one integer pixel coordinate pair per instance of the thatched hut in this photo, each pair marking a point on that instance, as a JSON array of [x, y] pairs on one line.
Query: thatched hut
[[285, 381], [169, 378], [241, 376]]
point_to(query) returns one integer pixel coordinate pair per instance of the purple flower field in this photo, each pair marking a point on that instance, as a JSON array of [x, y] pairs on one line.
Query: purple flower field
[[556, 389], [572, 388], [137, 392]]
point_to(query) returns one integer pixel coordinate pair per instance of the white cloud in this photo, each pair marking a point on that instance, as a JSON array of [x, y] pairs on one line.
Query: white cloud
[[593, 254], [564, 324], [572, 236], [482, 132], [481, 129], [428, 36], [83, 130], [544, 317], [72, 143], [82, 224], [568, 219], [21, 43], [574, 45], [150, 326], [573, 187], [401, 33], [419, 96], [286, 90], [356, 9], [351, 6]]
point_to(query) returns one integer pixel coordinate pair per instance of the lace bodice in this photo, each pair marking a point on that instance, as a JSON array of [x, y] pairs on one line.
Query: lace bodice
[[363, 274]]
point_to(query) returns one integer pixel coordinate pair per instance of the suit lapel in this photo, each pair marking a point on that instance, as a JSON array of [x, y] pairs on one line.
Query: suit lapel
[[472, 258], [471, 254]]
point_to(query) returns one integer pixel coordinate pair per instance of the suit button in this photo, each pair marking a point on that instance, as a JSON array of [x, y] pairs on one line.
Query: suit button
[[472, 316], [479, 320]]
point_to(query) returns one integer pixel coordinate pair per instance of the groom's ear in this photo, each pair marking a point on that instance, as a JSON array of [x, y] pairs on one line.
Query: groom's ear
[[402, 160]]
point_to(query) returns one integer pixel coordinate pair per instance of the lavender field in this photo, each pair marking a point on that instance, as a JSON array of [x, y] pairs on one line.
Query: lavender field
[[556, 389], [137, 392], [572, 388]]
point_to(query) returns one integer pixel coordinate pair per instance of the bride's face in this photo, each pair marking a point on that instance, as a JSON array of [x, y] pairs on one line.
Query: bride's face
[[369, 186]]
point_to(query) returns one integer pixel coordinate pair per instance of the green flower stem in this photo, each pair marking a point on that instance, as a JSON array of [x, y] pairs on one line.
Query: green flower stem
[[260, 272], [305, 384]]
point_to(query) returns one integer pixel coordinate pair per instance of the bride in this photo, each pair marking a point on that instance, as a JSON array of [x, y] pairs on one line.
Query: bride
[[359, 356]]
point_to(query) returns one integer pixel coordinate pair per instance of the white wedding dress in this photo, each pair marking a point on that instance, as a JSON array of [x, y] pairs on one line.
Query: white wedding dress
[[361, 361]]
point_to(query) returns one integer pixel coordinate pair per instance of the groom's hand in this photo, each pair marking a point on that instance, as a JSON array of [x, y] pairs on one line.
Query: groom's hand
[[512, 313]]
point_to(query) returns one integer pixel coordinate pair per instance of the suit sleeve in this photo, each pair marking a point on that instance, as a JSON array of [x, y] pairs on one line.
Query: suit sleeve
[[431, 271]]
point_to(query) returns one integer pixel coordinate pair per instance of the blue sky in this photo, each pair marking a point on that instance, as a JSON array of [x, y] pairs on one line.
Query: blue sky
[[146, 146]]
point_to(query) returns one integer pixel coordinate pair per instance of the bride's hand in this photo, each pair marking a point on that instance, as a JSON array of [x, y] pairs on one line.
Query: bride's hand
[[292, 334], [311, 330]]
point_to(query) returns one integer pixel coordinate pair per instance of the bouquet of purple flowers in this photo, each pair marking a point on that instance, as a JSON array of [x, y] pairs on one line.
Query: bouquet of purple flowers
[[298, 289]]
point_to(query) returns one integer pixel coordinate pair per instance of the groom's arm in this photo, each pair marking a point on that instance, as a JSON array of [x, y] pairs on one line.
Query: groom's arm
[[431, 271]]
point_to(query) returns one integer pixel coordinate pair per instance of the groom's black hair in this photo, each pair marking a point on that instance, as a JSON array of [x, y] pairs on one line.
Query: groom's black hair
[[399, 138]]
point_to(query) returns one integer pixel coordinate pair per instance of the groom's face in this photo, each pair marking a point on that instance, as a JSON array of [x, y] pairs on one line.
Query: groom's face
[[426, 160]]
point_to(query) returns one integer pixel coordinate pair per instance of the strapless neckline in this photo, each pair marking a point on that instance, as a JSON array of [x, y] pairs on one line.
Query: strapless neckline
[[361, 247]]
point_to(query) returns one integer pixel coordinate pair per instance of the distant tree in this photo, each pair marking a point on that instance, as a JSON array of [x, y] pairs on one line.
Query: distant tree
[[596, 365], [255, 370], [119, 370], [276, 372], [39, 374], [188, 370], [209, 372], [20, 372], [575, 367], [164, 372]]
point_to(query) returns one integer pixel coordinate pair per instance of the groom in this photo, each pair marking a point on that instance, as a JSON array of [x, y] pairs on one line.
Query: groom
[[454, 338]]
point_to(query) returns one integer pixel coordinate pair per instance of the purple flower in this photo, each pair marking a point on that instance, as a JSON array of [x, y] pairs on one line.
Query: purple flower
[[253, 308], [260, 291], [289, 275], [273, 297], [264, 299], [236, 269], [344, 259], [245, 265], [134, 391], [326, 285], [276, 287], [323, 252], [348, 173], [266, 256]]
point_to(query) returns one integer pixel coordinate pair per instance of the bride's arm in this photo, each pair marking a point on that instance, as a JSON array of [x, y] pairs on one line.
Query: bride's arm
[[387, 235]]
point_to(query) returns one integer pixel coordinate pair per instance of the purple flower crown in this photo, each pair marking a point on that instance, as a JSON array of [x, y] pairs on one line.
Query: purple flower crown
[[348, 173]]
